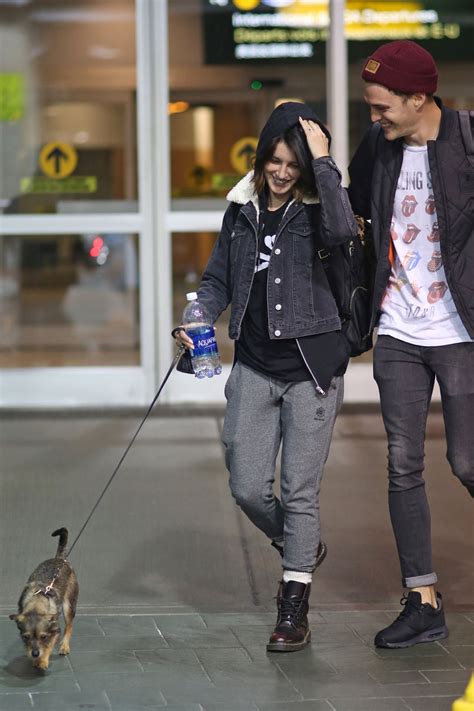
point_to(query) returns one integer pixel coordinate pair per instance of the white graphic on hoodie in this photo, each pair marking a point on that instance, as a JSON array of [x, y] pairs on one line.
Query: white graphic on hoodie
[[263, 258]]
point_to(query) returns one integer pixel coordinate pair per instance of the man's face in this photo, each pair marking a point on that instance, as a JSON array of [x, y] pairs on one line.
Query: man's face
[[397, 115]]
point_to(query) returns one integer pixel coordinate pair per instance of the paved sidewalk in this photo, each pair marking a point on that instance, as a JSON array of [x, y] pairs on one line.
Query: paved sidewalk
[[177, 588], [218, 662]]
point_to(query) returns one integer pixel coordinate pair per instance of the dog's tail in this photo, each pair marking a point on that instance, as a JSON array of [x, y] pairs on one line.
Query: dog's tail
[[63, 536]]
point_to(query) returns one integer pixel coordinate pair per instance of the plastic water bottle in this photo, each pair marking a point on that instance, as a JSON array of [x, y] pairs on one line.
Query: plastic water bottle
[[205, 355]]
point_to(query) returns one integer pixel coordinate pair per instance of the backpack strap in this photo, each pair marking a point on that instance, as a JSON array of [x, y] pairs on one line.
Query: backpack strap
[[466, 122]]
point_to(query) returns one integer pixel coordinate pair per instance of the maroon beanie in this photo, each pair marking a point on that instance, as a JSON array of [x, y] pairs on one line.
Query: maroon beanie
[[402, 66]]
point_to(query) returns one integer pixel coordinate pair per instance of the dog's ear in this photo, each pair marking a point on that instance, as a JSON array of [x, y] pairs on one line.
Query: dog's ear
[[17, 618]]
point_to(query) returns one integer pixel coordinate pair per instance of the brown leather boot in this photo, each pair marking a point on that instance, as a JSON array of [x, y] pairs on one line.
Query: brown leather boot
[[292, 631]]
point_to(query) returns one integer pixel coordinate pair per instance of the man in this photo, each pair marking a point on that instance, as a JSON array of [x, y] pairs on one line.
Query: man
[[412, 177]]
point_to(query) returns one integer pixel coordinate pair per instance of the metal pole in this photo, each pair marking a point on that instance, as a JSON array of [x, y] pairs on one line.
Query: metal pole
[[163, 254], [336, 83]]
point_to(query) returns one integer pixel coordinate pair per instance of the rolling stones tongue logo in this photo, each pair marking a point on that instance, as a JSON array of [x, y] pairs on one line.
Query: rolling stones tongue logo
[[411, 233], [434, 234], [430, 206], [393, 234], [435, 262], [436, 291], [408, 205]]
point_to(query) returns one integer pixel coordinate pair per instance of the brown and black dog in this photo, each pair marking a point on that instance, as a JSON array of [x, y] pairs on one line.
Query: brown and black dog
[[51, 587]]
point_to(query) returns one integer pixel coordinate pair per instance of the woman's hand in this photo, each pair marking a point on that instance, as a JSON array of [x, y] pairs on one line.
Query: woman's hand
[[181, 337], [318, 142]]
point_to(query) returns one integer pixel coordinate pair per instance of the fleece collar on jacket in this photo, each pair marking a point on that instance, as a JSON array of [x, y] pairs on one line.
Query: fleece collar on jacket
[[244, 192]]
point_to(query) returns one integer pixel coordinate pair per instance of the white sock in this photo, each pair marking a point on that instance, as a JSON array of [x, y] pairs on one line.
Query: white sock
[[297, 576]]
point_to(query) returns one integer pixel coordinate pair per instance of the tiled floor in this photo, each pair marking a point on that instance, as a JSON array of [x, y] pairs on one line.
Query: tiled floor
[[218, 661], [177, 588]]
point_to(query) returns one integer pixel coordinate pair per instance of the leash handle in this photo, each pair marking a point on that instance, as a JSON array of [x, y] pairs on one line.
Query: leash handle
[[175, 361]]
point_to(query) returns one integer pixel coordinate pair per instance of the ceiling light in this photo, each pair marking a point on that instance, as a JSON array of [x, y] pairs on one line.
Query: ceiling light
[[177, 107]]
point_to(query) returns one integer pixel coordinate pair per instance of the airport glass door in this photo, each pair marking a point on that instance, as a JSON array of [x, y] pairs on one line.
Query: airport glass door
[[71, 216]]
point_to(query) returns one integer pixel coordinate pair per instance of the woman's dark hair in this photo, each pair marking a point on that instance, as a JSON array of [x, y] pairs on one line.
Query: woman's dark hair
[[295, 139]]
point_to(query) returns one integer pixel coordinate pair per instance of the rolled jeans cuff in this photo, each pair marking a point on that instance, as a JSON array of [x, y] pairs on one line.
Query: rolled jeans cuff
[[420, 581]]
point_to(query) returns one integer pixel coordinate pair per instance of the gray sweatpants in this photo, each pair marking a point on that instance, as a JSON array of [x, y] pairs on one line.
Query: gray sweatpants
[[263, 413]]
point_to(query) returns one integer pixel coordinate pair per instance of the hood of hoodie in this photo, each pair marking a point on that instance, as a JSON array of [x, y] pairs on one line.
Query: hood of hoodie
[[283, 117]]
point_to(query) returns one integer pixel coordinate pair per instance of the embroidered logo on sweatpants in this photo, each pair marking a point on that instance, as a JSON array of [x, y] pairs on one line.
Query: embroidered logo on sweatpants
[[320, 414]]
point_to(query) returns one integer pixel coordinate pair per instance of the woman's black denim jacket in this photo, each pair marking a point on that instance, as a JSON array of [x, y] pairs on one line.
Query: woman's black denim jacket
[[299, 299]]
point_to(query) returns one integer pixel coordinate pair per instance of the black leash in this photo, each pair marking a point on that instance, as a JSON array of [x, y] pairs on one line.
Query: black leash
[[176, 358]]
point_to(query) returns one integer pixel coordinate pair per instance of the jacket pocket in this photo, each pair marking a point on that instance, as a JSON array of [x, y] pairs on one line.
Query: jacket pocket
[[302, 243]]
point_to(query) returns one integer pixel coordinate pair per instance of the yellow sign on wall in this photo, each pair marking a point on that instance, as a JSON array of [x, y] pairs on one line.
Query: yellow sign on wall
[[74, 184], [57, 160], [246, 4], [242, 154]]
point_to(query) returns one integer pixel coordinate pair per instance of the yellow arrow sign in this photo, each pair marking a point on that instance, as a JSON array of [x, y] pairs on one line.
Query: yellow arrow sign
[[242, 154], [246, 4], [57, 159]]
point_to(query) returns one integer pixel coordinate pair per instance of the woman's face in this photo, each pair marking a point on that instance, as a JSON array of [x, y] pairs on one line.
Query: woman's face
[[281, 174]]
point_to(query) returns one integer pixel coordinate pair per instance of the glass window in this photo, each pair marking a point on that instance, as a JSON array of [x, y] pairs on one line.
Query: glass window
[[69, 300], [67, 91], [191, 251], [204, 163]]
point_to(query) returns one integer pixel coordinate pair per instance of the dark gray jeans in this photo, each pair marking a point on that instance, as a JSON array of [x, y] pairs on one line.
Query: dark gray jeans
[[405, 375], [261, 414]]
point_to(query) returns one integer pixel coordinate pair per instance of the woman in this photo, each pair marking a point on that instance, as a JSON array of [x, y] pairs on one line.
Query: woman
[[286, 385]]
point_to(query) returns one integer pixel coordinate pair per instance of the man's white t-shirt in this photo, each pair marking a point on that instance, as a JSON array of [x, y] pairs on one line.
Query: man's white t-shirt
[[417, 306]]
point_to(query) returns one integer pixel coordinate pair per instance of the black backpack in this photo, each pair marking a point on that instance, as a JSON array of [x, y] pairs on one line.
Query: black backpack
[[350, 270]]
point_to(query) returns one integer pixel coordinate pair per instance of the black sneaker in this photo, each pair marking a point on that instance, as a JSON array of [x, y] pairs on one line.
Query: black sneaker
[[417, 622], [320, 555]]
